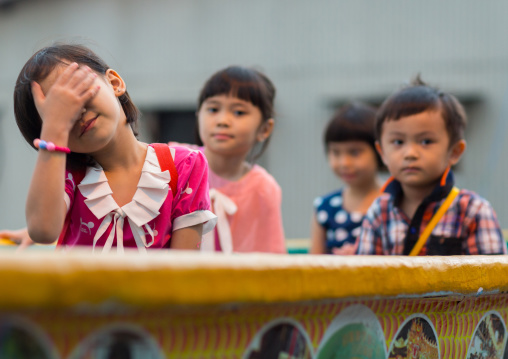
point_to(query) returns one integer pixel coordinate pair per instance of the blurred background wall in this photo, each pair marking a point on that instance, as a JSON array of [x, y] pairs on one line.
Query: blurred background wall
[[318, 53]]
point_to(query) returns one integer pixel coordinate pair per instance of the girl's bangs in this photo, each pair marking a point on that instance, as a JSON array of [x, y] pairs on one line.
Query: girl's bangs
[[244, 90]]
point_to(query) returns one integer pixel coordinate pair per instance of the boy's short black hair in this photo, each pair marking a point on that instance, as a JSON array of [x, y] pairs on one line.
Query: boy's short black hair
[[353, 122], [419, 97]]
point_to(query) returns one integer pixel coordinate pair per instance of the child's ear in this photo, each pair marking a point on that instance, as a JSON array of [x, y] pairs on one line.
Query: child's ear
[[380, 151], [116, 82], [265, 130], [456, 152]]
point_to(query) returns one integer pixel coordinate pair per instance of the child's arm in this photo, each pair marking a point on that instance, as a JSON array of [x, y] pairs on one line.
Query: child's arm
[[187, 238], [317, 245], [59, 109], [369, 241], [45, 206], [485, 236], [347, 249], [190, 213]]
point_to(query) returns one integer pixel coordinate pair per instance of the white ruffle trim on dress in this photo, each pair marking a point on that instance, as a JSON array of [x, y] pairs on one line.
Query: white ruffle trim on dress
[[152, 190]]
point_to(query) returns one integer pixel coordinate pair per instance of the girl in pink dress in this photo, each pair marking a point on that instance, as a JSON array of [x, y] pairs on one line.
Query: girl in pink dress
[[92, 177], [235, 121]]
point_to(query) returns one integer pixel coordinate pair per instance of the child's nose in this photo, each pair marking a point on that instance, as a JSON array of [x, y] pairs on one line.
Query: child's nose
[[223, 118], [344, 161], [411, 151]]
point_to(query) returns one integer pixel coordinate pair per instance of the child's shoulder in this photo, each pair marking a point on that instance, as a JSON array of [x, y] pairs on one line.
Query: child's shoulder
[[259, 181], [332, 198], [472, 201], [186, 153], [384, 199], [384, 203], [260, 176], [189, 146], [256, 185]]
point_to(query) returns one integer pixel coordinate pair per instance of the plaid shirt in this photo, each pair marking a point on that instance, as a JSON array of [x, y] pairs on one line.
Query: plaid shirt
[[469, 226]]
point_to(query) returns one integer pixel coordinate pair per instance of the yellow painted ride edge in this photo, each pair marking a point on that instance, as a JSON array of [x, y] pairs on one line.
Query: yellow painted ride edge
[[53, 280]]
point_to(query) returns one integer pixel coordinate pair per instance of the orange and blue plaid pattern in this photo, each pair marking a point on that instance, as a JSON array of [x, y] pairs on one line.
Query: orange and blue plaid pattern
[[469, 226]]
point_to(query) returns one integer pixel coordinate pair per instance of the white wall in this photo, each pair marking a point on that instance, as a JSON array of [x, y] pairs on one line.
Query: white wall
[[315, 52]]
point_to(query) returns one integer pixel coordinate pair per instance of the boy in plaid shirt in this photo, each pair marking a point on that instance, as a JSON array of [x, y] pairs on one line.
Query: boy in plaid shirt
[[420, 135]]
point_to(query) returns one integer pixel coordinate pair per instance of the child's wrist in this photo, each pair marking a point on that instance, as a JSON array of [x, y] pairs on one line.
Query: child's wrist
[[50, 146], [56, 136], [57, 126]]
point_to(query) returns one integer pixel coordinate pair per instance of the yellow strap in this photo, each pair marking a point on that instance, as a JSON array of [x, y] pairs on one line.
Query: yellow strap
[[6, 242], [437, 216]]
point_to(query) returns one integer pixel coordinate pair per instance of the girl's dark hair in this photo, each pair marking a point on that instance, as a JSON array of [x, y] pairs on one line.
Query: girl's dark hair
[[353, 122], [246, 84], [37, 68], [419, 97]]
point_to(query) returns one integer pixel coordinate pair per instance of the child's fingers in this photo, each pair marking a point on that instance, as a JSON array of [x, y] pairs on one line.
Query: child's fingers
[[25, 243], [81, 83], [7, 234], [16, 236], [346, 249], [67, 74], [90, 93], [78, 76], [86, 83]]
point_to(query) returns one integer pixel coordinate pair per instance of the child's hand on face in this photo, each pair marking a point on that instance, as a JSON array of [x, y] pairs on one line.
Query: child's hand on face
[[63, 103]]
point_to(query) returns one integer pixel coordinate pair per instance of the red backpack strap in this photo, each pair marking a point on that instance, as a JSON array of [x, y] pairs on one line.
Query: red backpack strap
[[77, 177], [166, 162]]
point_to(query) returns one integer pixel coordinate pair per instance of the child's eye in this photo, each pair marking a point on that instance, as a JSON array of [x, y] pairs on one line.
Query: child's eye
[[239, 113], [212, 109], [333, 152], [354, 153], [427, 141], [397, 142]]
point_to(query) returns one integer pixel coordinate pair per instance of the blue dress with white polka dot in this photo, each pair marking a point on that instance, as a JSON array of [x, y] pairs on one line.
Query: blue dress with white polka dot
[[340, 226]]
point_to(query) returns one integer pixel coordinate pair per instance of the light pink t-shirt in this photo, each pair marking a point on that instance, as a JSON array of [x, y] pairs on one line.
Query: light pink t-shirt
[[257, 224], [154, 212]]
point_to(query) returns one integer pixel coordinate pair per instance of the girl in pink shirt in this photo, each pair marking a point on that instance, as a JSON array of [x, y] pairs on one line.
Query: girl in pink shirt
[[92, 177], [235, 121]]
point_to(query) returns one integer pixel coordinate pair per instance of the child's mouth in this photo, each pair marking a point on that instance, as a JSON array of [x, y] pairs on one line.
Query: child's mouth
[[410, 169], [347, 176], [87, 125], [221, 136]]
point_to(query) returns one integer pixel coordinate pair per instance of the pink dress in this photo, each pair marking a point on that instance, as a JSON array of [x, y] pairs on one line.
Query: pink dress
[[154, 213], [256, 225]]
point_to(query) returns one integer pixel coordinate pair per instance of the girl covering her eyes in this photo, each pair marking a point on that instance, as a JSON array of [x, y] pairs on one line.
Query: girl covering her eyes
[[111, 190]]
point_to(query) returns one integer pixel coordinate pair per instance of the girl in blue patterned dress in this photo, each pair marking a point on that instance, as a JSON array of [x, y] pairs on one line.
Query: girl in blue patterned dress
[[350, 148]]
